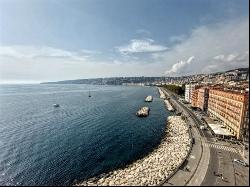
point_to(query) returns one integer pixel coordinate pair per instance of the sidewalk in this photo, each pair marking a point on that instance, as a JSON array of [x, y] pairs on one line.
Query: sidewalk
[[197, 161], [181, 177]]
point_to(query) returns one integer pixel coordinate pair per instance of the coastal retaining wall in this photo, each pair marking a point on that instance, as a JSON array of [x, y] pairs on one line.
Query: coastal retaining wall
[[155, 167], [183, 161]]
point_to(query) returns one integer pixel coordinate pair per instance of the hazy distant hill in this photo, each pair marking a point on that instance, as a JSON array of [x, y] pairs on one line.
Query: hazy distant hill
[[127, 80]]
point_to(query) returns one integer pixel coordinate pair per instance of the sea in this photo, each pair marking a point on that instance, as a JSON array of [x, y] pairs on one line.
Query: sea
[[86, 136]]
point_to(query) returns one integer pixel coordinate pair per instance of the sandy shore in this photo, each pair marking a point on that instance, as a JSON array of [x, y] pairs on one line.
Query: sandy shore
[[155, 167]]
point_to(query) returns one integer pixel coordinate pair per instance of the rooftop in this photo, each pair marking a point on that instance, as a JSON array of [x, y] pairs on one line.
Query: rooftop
[[217, 128]]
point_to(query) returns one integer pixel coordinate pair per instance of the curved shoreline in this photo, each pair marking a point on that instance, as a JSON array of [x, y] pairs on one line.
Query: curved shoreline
[[155, 167]]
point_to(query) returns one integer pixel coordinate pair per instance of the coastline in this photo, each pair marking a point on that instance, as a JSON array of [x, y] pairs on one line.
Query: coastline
[[154, 168]]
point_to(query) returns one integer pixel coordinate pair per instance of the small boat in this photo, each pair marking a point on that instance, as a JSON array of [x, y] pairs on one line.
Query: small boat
[[56, 105], [149, 98]]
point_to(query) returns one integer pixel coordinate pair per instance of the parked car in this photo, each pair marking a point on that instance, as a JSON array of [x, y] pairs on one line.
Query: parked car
[[241, 162]]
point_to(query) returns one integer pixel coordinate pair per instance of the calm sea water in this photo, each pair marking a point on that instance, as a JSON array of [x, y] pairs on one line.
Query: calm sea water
[[84, 137]]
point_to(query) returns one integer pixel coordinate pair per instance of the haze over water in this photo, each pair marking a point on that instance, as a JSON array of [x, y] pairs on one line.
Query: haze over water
[[82, 138]]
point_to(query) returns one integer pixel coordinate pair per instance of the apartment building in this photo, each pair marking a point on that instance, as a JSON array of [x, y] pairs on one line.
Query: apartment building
[[202, 98], [189, 88], [187, 92], [194, 98], [230, 108]]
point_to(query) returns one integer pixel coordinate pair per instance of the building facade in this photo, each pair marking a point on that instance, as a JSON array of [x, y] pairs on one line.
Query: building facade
[[187, 92], [189, 88], [194, 98], [230, 108], [202, 98]]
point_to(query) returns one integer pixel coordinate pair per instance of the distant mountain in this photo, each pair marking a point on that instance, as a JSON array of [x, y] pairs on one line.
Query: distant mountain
[[134, 80], [111, 81], [239, 69]]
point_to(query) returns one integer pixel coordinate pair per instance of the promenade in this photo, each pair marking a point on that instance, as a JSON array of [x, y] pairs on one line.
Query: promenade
[[197, 161]]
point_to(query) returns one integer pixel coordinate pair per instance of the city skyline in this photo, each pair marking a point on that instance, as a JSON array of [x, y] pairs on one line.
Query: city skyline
[[51, 40]]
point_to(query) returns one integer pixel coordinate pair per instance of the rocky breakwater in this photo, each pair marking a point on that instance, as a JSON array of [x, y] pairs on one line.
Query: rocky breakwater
[[143, 112], [155, 167], [168, 105], [162, 95]]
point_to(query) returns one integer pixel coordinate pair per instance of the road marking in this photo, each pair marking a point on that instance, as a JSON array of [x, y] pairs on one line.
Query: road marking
[[225, 148]]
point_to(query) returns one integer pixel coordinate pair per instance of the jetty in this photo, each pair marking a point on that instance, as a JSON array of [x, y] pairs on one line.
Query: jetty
[[162, 95], [143, 112], [168, 105], [149, 98]]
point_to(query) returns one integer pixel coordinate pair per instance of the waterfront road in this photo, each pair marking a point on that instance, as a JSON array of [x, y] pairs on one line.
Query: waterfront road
[[211, 160]]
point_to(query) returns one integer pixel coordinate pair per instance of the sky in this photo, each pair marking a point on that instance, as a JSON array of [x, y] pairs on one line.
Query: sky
[[51, 40]]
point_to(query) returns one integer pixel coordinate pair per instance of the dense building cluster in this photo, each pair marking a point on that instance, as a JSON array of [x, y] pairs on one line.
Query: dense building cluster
[[228, 106], [223, 96]]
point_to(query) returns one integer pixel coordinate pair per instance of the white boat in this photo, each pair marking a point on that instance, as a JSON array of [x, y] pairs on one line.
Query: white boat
[[56, 105], [149, 98]]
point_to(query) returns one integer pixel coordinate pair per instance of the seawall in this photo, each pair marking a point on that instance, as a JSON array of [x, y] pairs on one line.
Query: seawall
[[155, 167]]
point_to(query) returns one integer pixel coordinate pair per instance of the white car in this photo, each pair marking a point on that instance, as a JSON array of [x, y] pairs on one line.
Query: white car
[[241, 162], [202, 127]]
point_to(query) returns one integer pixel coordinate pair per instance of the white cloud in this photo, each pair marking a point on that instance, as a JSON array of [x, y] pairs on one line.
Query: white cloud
[[33, 64], [219, 57], [179, 38], [33, 52], [143, 32], [141, 46], [216, 47], [27, 64], [179, 67], [228, 60]]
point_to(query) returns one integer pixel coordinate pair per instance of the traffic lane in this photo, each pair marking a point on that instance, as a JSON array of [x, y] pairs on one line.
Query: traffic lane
[[192, 116], [233, 173], [226, 168], [241, 172], [208, 135], [210, 178]]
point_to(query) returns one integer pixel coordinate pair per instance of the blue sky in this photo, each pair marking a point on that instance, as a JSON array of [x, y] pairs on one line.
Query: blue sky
[[43, 40]]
